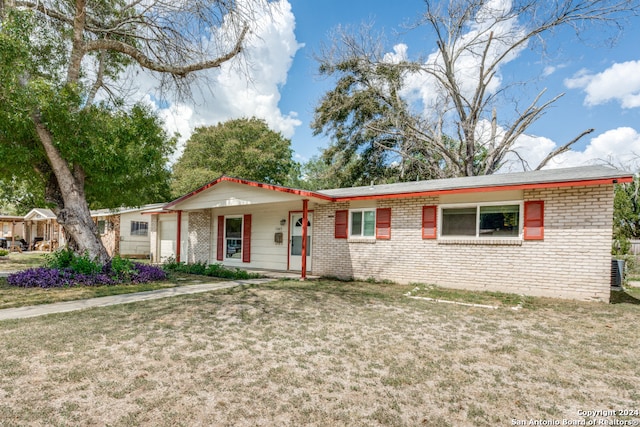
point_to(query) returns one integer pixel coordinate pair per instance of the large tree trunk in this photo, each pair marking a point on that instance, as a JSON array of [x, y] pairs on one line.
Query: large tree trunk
[[66, 190]]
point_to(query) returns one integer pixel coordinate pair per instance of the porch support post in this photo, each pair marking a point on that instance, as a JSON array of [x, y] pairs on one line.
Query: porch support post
[[305, 220], [179, 236]]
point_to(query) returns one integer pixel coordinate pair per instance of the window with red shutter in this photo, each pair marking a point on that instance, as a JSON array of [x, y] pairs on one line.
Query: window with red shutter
[[220, 242], [383, 223], [534, 220], [341, 221], [429, 222]]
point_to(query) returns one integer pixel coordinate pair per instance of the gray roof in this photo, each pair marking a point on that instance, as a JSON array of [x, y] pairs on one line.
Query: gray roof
[[584, 173], [121, 210]]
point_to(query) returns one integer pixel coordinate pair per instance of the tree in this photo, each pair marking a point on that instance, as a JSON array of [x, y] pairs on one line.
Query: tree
[[626, 213], [63, 86], [244, 148], [456, 129]]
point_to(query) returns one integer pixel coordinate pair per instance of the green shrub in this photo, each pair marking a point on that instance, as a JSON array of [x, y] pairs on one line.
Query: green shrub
[[4, 252], [122, 266], [213, 270], [59, 259], [66, 258]]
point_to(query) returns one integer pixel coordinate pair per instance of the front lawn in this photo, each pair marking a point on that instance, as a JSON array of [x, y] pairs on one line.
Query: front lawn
[[318, 353]]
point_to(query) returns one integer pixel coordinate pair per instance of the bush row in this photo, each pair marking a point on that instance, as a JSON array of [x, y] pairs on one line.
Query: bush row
[[64, 268], [204, 269]]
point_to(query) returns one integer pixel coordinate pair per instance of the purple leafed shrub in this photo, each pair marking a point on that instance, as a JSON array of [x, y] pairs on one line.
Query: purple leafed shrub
[[57, 278]]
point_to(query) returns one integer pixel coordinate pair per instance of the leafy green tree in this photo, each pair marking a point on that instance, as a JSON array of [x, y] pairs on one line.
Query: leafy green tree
[[243, 148], [466, 126], [64, 125], [626, 214]]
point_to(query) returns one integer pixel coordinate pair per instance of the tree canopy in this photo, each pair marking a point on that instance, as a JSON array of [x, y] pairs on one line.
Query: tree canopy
[[244, 148], [65, 123], [466, 121]]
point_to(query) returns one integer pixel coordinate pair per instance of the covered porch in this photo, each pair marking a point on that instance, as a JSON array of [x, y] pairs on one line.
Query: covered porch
[[42, 231], [240, 224]]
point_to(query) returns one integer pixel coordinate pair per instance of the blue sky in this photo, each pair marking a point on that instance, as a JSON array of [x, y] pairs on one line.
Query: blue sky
[[602, 83]]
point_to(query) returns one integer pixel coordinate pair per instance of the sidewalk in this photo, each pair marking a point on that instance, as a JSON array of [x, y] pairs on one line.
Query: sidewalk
[[62, 307]]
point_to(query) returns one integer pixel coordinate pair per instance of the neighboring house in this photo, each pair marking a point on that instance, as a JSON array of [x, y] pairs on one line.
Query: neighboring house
[[42, 230], [11, 226], [541, 233], [125, 231], [11, 232]]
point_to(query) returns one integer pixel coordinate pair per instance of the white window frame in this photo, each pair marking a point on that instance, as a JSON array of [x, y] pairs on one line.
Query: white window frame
[[137, 233], [225, 238], [361, 235], [520, 204]]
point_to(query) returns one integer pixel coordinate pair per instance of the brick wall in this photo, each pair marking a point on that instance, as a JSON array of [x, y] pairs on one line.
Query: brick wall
[[573, 260], [199, 236]]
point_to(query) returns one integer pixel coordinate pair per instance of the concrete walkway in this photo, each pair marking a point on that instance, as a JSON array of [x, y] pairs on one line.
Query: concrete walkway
[[62, 307]]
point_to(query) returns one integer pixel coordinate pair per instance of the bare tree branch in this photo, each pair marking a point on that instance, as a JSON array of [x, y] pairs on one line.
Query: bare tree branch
[[562, 149]]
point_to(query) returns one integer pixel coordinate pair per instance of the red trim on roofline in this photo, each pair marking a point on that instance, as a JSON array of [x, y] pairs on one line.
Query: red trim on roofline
[[306, 193], [272, 187], [603, 181]]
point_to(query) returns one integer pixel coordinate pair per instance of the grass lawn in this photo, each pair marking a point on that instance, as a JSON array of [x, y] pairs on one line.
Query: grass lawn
[[318, 353], [21, 261]]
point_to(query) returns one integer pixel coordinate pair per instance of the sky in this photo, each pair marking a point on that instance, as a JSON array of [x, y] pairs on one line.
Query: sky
[[280, 82]]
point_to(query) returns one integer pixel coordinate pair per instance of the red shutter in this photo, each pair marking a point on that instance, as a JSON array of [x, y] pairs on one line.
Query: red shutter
[[383, 223], [246, 239], [220, 248], [534, 220], [429, 222], [342, 221]]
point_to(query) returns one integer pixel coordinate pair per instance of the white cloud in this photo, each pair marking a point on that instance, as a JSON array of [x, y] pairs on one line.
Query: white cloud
[[620, 82], [240, 88], [619, 147]]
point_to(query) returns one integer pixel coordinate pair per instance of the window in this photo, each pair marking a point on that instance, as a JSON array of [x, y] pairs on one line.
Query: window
[[139, 228], [362, 223], [492, 220], [102, 226], [233, 237]]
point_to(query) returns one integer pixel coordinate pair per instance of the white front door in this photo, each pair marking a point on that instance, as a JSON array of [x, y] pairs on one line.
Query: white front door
[[295, 244]]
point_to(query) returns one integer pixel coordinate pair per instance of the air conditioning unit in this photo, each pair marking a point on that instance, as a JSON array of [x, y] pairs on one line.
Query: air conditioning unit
[[617, 273]]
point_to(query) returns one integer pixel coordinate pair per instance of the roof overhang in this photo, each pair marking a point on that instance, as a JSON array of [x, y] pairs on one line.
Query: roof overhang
[[39, 214], [401, 195], [569, 177], [277, 189]]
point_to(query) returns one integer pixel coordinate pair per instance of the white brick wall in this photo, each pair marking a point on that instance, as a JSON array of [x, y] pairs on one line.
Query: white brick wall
[[200, 235], [573, 261]]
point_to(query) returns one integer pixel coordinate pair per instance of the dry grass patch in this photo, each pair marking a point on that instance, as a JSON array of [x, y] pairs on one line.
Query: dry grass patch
[[20, 261], [317, 353]]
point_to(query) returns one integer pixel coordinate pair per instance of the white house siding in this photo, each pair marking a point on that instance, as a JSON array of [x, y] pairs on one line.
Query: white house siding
[[133, 245], [573, 260], [226, 194]]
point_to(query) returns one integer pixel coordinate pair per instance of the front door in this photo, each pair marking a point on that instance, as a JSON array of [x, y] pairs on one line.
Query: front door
[[295, 245]]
